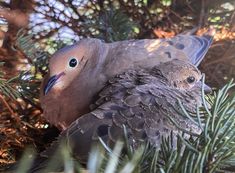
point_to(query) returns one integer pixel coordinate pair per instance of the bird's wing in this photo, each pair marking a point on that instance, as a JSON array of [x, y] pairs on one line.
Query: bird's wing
[[151, 52], [195, 47]]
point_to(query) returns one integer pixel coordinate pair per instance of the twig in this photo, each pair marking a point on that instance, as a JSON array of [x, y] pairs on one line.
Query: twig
[[14, 115], [202, 14], [232, 21], [32, 103], [177, 15]]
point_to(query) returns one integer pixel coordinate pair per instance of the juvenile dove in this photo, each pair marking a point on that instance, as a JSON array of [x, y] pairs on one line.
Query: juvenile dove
[[142, 100], [78, 72]]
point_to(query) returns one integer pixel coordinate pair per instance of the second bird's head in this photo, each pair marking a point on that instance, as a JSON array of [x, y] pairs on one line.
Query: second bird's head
[[182, 75]]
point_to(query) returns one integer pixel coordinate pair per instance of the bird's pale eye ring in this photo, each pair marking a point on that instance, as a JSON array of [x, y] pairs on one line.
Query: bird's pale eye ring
[[73, 62], [191, 79]]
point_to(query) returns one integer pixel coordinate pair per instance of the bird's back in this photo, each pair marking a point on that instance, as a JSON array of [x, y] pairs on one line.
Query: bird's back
[[151, 52]]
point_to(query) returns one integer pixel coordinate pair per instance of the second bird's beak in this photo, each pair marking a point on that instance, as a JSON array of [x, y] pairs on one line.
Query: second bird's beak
[[51, 82], [207, 89]]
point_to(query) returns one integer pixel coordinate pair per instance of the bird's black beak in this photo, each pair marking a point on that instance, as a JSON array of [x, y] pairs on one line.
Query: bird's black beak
[[207, 89], [51, 82]]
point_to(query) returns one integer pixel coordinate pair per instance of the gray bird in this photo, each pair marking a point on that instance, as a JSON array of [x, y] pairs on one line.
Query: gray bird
[[142, 100], [78, 72]]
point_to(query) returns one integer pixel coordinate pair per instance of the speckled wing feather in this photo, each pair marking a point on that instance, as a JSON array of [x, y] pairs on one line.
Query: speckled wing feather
[[194, 47], [150, 52]]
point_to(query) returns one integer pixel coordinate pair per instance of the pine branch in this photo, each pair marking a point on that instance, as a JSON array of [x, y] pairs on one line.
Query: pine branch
[[112, 25], [212, 151], [7, 86]]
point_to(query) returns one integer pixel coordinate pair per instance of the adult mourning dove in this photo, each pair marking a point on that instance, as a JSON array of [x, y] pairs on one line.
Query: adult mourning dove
[[78, 72], [142, 100]]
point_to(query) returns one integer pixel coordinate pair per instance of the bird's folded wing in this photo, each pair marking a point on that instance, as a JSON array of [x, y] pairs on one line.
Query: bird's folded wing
[[194, 47], [150, 52]]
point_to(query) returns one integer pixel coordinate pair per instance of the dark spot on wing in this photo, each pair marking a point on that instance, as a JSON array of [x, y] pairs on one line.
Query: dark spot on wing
[[108, 115], [170, 42], [168, 54], [179, 46], [102, 130]]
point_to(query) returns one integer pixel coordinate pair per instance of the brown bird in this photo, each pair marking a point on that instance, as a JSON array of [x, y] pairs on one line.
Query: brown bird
[[78, 72], [142, 100]]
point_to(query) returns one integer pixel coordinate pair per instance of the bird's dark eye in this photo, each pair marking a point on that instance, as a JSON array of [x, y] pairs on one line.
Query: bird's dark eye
[[191, 79], [73, 62]]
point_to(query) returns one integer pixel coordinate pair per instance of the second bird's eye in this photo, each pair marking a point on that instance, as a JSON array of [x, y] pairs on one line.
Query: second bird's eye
[[73, 62], [191, 79]]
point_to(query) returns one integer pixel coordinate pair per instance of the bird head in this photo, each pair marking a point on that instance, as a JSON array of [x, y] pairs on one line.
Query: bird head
[[67, 63], [182, 75]]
